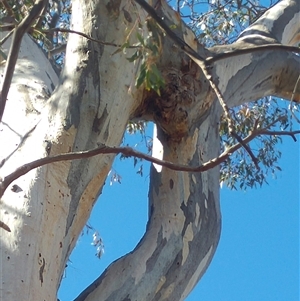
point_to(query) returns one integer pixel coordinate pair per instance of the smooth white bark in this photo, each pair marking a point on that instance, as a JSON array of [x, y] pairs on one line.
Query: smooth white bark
[[54, 202], [94, 99]]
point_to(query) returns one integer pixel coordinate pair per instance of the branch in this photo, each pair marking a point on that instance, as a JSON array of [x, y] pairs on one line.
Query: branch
[[279, 133], [202, 63], [179, 42], [19, 32], [295, 88], [236, 52], [85, 36], [205, 65], [129, 152], [8, 9], [6, 37], [210, 60], [4, 226]]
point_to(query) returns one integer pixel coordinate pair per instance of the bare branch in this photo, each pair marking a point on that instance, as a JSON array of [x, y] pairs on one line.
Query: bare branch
[[129, 152], [6, 37], [280, 133], [85, 36], [247, 148], [183, 45], [237, 52], [19, 31], [42, 15], [4, 226], [295, 88], [22, 140]]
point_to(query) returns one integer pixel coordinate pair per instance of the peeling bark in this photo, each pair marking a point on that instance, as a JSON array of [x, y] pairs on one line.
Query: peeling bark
[[93, 100]]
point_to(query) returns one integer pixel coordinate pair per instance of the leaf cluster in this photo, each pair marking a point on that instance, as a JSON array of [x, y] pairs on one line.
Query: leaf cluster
[[239, 171], [220, 21], [147, 53], [56, 14]]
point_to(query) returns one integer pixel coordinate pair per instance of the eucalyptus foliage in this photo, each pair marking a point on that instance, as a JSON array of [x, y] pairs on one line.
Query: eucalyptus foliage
[[217, 22]]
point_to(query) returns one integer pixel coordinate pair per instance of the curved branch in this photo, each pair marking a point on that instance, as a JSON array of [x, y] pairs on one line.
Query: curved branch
[[129, 152]]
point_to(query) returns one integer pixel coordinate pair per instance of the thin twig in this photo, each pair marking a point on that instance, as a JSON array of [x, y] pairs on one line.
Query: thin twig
[[19, 32], [42, 15], [231, 127], [279, 133], [295, 88], [22, 140], [6, 37], [85, 36]]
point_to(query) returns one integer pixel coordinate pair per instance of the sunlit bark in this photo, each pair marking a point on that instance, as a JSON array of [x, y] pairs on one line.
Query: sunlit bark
[[94, 99]]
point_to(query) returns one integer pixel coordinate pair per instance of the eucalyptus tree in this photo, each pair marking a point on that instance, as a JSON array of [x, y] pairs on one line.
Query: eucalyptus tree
[[126, 61]]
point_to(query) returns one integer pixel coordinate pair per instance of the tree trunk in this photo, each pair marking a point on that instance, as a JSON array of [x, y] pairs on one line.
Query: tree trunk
[[48, 212], [93, 101]]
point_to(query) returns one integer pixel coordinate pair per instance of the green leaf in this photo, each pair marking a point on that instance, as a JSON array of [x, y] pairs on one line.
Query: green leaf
[[135, 56], [141, 77], [122, 48], [140, 38]]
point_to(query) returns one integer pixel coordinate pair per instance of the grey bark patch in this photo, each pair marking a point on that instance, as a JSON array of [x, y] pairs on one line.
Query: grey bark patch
[[52, 84], [73, 179], [115, 295], [98, 122], [196, 196], [171, 183], [155, 180], [171, 276], [161, 243]]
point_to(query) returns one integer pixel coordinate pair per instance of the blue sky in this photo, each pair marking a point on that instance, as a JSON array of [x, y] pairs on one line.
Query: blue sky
[[258, 255]]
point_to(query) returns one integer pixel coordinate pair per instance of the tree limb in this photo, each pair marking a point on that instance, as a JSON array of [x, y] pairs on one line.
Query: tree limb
[[19, 31], [85, 36], [205, 65], [279, 133], [8, 9], [237, 52], [4, 226], [129, 152]]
